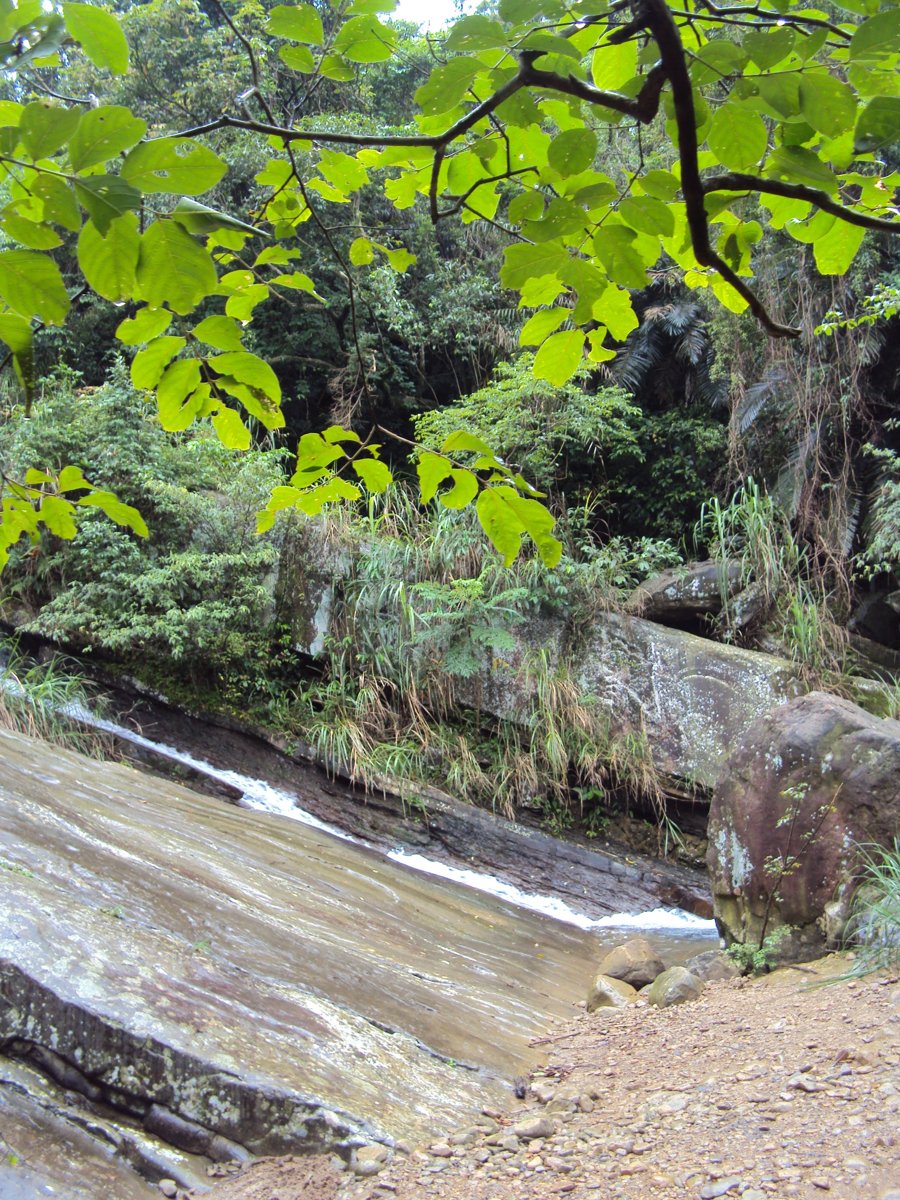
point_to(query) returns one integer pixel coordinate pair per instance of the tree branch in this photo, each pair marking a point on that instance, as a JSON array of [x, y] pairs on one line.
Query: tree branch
[[664, 31], [736, 182]]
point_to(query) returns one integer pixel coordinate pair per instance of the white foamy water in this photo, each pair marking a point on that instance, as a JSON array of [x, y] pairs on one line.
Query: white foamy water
[[670, 919], [263, 797]]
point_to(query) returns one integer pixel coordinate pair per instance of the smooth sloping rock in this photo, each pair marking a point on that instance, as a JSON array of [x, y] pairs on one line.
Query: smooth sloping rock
[[817, 778], [259, 979], [607, 992], [634, 962], [675, 986], [685, 593]]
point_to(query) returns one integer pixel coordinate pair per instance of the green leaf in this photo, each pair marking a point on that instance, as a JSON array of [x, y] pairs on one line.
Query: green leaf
[[615, 248], [16, 333], [298, 22], [647, 215], [499, 522], [432, 470], [106, 197], [737, 137], [200, 219], [32, 286], [298, 58], [796, 164], [45, 127], [60, 205], [542, 324], [447, 85], [572, 151], [102, 133], [771, 47], [173, 269], [826, 103], [117, 511], [251, 370], [612, 65], [230, 429], [144, 326], [560, 357], [878, 37], [337, 433], [109, 262], [463, 492], [222, 333], [473, 33], [461, 439], [179, 396], [148, 364], [878, 124], [375, 474], [56, 514], [365, 40], [399, 260], [362, 252], [99, 34], [836, 249], [71, 479], [173, 164]]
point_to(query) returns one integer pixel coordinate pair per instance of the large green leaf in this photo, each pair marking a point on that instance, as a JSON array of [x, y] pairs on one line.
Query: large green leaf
[[560, 357], [179, 396], [32, 286], [249, 369], [102, 133], [117, 511], [222, 333], [432, 470], [737, 137], [230, 429], [99, 34], [572, 151], [878, 124], [173, 269], [148, 364], [107, 197], [109, 261], [878, 37], [173, 164], [836, 249], [45, 127], [298, 22], [146, 324], [365, 40], [826, 103]]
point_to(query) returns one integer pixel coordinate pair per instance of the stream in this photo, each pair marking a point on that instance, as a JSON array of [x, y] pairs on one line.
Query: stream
[[254, 975]]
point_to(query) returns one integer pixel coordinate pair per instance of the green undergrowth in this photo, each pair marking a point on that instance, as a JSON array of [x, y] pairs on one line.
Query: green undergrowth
[[429, 634], [41, 699]]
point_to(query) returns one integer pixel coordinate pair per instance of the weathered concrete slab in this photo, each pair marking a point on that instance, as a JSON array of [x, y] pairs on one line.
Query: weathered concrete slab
[[277, 987]]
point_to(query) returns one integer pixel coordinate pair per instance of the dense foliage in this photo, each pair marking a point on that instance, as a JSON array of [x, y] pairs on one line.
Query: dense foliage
[[711, 126]]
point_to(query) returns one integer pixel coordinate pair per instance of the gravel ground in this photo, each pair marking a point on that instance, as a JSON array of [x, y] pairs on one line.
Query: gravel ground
[[766, 1089]]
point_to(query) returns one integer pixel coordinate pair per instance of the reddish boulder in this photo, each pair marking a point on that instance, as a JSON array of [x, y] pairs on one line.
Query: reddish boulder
[[816, 778]]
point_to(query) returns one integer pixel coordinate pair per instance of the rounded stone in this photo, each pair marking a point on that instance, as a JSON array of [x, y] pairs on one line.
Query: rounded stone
[[675, 986], [634, 962], [607, 992]]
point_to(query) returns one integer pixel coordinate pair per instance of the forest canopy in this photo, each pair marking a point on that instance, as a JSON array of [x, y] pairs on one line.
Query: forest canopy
[[597, 144]]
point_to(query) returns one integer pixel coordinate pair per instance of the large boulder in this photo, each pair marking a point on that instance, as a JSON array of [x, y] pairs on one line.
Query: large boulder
[[635, 962], [815, 779], [685, 593]]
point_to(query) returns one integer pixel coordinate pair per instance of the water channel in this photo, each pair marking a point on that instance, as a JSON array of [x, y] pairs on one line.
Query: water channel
[[343, 991]]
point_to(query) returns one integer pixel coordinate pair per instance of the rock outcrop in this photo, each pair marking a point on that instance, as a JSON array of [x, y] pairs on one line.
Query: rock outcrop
[[816, 778], [686, 593]]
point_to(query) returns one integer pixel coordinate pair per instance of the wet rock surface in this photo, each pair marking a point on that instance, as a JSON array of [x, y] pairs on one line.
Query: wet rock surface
[[236, 981], [817, 778], [685, 593]]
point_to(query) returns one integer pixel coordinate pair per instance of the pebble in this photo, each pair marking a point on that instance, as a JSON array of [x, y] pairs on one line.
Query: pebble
[[713, 1190], [535, 1127], [168, 1187]]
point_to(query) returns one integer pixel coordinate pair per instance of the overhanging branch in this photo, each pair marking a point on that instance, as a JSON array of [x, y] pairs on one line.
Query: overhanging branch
[[736, 182]]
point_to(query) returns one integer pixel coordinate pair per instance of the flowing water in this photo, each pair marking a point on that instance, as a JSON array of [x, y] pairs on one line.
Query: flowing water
[[392, 993]]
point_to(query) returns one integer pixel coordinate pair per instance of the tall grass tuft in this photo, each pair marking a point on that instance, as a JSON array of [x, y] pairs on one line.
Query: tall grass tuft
[[41, 700], [874, 925]]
